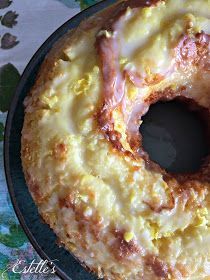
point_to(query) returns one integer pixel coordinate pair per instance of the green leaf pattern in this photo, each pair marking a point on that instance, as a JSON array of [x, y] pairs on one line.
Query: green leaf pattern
[[15, 238], [9, 19], [5, 3], [9, 77], [8, 41]]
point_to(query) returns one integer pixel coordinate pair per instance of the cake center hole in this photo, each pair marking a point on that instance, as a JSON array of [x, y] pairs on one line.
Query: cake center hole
[[175, 137]]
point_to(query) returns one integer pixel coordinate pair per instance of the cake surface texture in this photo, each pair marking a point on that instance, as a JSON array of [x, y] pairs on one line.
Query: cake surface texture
[[120, 214]]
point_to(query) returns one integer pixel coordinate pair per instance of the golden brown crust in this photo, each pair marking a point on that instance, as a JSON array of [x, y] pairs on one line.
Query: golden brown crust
[[160, 268], [120, 214]]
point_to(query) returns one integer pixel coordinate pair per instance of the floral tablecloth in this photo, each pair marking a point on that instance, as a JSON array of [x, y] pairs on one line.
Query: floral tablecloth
[[24, 26]]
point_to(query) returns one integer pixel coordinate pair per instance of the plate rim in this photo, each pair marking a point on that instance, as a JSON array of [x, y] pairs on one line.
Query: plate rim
[[10, 114]]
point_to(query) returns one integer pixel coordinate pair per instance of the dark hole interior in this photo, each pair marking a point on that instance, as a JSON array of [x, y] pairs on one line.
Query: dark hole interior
[[174, 137]]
